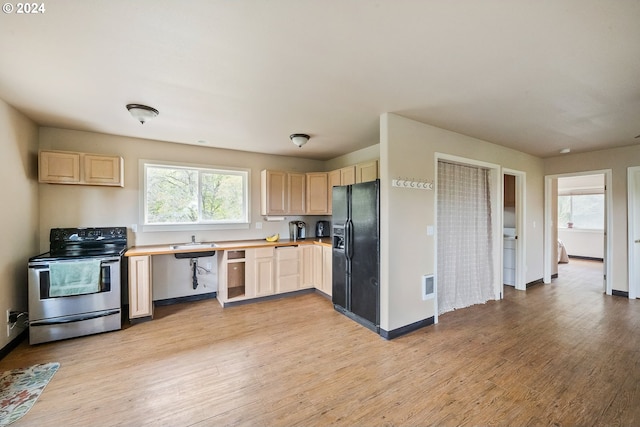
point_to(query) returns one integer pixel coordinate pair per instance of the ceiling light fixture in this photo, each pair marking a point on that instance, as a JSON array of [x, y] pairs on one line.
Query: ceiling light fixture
[[299, 139], [142, 113], [565, 150]]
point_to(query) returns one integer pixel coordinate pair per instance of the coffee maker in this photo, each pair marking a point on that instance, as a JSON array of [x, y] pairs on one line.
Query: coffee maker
[[297, 230], [322, 229]]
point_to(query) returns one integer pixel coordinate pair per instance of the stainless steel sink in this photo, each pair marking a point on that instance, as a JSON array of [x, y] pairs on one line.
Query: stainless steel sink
[[194, 246]]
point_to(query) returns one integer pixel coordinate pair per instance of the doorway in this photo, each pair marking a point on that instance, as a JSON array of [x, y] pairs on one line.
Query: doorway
[[580, 224], [458, 262], [513, 226], [575, 206]]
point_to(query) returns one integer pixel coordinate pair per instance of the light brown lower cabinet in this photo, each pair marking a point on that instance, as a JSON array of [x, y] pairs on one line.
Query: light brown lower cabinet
[[259, 272], [309, 266], [288, 268], [316, 268], [244, 274], [234, 282], [262, 271], [140, 287], [327, 270]]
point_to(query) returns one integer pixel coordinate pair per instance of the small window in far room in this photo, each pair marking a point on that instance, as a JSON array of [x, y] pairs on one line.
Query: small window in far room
[[583, 211]]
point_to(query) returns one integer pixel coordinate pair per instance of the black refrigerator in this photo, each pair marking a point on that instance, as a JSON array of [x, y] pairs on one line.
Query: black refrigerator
[[355, 226]]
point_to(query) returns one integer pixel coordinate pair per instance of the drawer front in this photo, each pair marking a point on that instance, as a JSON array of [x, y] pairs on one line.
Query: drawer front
[[288, 253], [264, 252]]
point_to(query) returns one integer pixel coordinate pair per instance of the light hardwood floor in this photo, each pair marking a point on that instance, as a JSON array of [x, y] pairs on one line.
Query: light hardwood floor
[[559, 354]]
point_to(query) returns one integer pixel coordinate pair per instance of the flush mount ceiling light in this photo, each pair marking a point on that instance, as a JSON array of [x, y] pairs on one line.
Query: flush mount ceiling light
[[142, 113], [565, 151], [299, 139]]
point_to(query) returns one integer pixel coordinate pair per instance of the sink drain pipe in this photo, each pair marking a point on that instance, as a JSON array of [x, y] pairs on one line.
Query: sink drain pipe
[[194, 262]]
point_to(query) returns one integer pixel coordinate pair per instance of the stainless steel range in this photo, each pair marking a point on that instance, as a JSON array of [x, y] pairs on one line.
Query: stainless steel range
[[74, 289]]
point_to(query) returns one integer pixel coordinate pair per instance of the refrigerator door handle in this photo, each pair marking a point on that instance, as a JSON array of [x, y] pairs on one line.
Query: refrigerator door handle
[[348, 239]]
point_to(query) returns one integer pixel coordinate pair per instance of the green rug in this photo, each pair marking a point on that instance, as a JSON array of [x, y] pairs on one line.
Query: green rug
[[20, 388]]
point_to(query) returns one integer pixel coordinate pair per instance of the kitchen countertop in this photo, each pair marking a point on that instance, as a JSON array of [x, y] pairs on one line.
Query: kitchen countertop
[[168, 249]]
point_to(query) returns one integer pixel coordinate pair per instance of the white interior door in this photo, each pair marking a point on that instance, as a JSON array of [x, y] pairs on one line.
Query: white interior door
[[633, 204]]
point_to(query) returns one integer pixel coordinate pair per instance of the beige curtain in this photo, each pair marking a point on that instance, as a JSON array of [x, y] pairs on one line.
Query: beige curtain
[[465, 262]]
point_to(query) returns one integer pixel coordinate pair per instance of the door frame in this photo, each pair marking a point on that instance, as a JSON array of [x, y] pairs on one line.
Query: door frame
[[496, 182], [550, 223], [521, 202], [632, 230]]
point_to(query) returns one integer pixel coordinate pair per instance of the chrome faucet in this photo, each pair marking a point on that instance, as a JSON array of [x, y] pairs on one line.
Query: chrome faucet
[[193, 238]]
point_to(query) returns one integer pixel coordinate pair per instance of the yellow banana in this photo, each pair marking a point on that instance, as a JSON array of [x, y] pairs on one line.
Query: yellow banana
[[273, 238]]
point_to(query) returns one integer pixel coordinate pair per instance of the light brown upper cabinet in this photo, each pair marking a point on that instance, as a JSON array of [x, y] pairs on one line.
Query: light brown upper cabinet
[[273, 195], [103, 170], [348, 175], [293, 193], [282, 193], [362, 172], [65, 167], [297, 193], [59, 167], [333, 180], [317, 193], [366, 172]]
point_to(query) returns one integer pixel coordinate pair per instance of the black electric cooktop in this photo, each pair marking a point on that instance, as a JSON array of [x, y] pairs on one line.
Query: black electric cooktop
[[70, 243]]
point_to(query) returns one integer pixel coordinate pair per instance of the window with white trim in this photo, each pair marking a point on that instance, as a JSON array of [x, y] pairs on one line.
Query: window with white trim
[[178, 195], [583, 211]]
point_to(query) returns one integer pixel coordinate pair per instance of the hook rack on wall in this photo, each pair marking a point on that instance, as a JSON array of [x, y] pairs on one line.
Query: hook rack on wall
[[411, 183]]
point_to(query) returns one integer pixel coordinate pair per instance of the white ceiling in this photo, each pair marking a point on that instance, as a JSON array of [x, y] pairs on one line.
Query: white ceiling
[[534, 75]]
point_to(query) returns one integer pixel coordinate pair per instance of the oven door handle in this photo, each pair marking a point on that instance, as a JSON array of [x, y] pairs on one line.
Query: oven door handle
[[75, 318], [46, 266]]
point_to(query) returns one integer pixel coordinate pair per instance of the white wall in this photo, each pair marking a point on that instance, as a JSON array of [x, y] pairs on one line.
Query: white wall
[[359, 156], [19, 213], [407, 148], [618, 160], [585, 243]]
